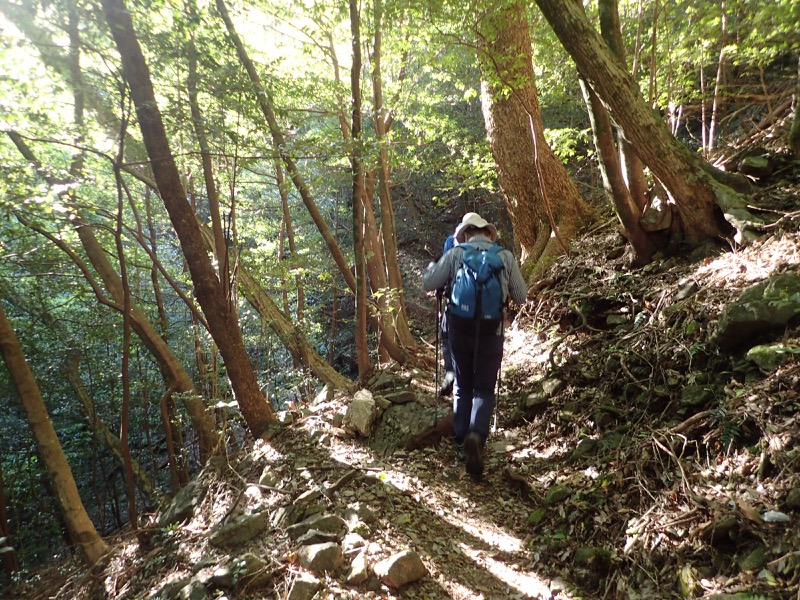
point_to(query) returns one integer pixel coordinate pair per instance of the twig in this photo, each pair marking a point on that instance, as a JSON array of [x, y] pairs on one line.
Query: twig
[[691, 421]]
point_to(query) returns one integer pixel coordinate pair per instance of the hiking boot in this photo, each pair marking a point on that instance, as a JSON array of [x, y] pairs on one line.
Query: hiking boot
[[474, 451], [447, 386]]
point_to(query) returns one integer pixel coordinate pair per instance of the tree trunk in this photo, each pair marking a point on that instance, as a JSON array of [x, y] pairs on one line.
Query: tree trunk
[[81, 530], [357, 164], [10, 558], [220, 247], [708, 209], [794, 134], [292, 339], [540, 196], [125, 409], [626, 209], [388, 229], [631, 166], [719, 82], [209, 291], [264, 99]]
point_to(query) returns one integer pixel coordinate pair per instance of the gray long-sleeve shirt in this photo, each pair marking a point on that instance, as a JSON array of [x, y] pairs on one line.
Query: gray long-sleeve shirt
[[441, 273]]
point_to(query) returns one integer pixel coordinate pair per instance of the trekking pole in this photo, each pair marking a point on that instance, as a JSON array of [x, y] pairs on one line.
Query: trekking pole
[[436, 350], [499, 381], [497, 398]]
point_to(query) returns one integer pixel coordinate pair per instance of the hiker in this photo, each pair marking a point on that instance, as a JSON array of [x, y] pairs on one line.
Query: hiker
[[449, 375], [476, 343]]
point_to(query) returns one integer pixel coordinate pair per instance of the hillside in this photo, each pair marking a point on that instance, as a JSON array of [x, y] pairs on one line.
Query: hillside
[[633, 458]]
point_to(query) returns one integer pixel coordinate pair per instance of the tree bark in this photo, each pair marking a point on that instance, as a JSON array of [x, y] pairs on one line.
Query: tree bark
[[794, 134], [382, 122], [223, 326], [626, 209], [357, 165], [540, 196], [708, 209], [630, 164], [81, 530], [10, 558]]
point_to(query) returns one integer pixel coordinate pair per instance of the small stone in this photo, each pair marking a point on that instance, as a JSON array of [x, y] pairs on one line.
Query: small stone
[[358, 511], [304, 587], [285, 417], [240, 530], [321, 522], [753, 560], [359, 570], [793, 499], [536, 516], [194, 590], [401, 397], [689, 582], [556, 494], [314, 536], [696, 395]]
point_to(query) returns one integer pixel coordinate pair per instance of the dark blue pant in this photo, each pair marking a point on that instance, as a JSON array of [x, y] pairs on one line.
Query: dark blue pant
[[473, 393]]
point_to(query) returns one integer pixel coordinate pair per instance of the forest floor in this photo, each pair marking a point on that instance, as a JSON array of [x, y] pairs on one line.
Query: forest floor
[[610, 484]]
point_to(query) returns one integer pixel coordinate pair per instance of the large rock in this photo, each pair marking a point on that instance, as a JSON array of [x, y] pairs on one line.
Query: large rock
[[325, 523], [761, 310], [401, 569], [183, 504], [304, 587], [362, 413], [359, 570], [403, 422], [240, 530], [321, 558]]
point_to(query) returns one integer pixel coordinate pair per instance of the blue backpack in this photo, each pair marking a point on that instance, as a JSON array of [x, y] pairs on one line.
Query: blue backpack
[[476, 292]]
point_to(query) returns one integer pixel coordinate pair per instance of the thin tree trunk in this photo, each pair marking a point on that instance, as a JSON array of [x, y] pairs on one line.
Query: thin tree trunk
[[125, 419], [153, 239], [356, 161], [377, 271], [653, 39], [220, 247], [718, 83], [223, 327], [388, 229], [71, 370], [794, 134], [264, 99], [82, 532], [10, 558]]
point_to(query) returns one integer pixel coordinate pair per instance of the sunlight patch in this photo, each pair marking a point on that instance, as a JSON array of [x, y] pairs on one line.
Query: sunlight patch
[[527, 584]]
